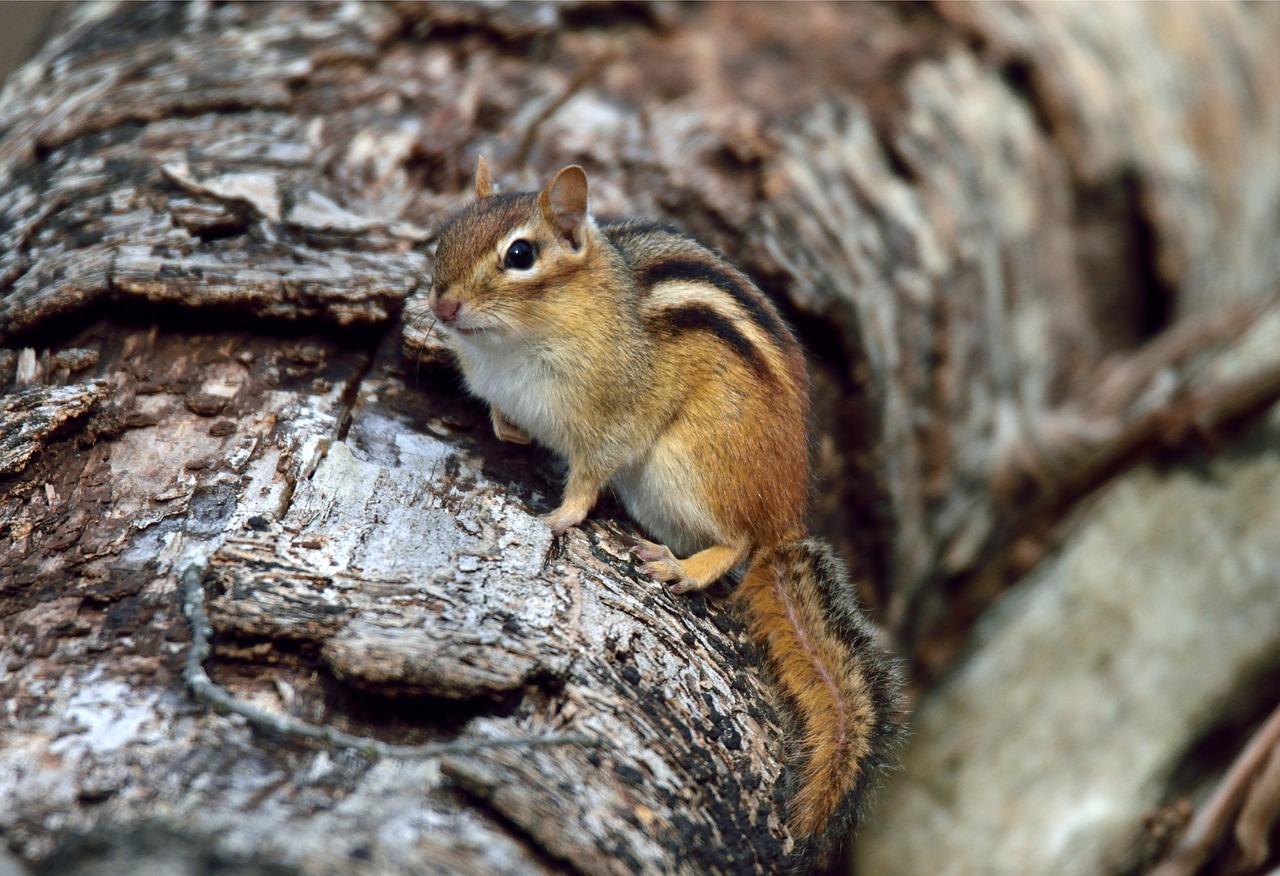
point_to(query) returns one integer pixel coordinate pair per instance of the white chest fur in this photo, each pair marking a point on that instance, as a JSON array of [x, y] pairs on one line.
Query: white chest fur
[[657, 481], [523, 387]]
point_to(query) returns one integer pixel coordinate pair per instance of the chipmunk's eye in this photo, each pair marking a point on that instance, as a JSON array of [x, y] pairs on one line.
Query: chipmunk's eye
[[520, 255]]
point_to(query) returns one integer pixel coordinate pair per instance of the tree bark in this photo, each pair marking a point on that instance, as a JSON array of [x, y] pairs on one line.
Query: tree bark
[[1011, 236]]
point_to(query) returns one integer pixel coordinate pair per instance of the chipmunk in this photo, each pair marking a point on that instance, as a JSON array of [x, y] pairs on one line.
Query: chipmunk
[[657, 368]]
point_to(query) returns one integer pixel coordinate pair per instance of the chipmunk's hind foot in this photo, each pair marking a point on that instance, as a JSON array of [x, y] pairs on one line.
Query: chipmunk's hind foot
[[687, 576]]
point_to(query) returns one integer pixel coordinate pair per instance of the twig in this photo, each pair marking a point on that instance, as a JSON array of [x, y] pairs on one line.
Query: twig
[[1124, 378], [1200, 411], [204, 688], [1040, 481], [1259, 813], [588, 73], [1211, 822], [1130, 412]]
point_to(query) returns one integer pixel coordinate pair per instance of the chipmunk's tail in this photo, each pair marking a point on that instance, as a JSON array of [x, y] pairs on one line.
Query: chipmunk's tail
[[841, 687]]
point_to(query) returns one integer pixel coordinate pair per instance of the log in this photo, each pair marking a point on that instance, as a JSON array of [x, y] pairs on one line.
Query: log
[[216, 227]]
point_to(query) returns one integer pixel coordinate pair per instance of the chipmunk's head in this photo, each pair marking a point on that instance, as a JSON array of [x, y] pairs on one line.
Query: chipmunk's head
[[506, 264]]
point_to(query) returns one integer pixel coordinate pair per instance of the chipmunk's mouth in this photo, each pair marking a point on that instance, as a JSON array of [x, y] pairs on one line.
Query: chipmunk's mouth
[[475, 326]]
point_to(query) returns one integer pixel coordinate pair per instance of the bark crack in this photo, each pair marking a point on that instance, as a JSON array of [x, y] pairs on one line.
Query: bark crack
[[191, 584]]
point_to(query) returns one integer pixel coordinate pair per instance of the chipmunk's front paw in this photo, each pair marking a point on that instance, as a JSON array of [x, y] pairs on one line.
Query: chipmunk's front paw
[[564, 518], [507, 430], [661, 565]]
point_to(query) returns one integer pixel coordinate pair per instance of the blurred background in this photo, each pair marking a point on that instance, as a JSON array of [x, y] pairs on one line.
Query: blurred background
[[23, 28]]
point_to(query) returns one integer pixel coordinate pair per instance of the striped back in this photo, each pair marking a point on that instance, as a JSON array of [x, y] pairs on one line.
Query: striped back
[[687, 287]]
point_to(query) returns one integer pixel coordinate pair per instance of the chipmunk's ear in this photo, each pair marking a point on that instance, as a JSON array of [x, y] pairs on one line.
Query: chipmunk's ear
[[564, 203], [484, 183]]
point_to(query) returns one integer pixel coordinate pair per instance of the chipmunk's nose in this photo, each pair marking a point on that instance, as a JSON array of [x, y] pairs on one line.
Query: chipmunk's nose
[[447, 308]]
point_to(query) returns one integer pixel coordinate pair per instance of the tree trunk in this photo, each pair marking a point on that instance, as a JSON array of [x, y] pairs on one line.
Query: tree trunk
[[1005, 232]]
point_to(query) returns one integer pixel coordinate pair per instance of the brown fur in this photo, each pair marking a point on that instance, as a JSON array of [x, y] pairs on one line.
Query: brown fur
[[841, 685], [654, 366]]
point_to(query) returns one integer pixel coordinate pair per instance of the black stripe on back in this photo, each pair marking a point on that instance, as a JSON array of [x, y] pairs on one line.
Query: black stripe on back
[[702, 318], [750, 300], [632, 227]]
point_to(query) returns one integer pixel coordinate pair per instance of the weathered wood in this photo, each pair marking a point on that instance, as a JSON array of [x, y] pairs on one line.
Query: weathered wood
[[978, 215], [31, 418]]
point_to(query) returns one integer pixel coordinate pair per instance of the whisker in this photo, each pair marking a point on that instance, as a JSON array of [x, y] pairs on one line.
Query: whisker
[[513, 327], [417, 365], [417, 318]]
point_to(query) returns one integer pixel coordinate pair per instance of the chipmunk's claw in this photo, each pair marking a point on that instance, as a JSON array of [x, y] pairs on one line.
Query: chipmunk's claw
[[661, 565]]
